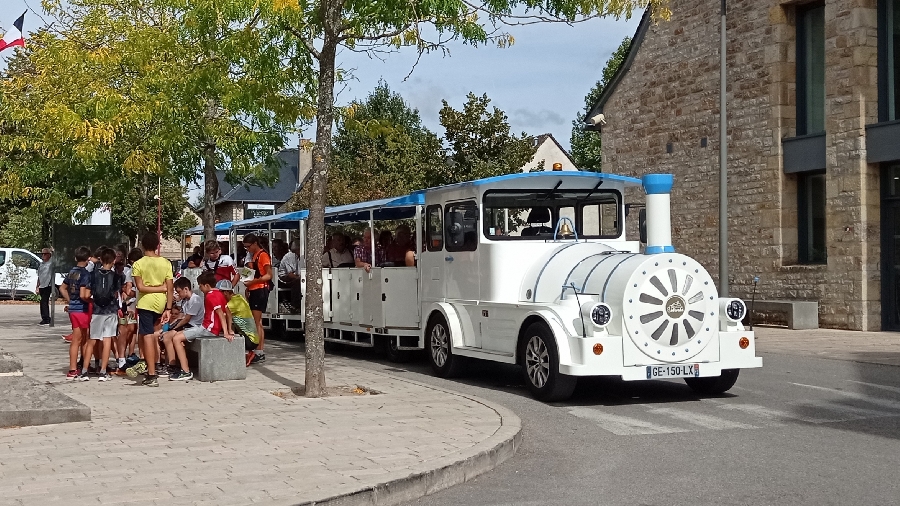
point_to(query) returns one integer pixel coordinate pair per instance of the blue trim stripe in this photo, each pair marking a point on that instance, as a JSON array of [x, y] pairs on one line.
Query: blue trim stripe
[[538, 279], [654, 250], [547, 175], [591, 272]]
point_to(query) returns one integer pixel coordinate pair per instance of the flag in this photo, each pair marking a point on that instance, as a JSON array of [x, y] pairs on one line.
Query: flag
[[14, 37]]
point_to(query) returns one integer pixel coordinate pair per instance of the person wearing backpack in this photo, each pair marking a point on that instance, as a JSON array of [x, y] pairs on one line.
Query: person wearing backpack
[[258, 288], [106, 284], [76, 291]]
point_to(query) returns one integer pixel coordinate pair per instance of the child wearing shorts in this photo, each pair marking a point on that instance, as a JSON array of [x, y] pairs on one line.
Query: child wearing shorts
[[106, 285], [215, 321], [75, 289], [242, 319]]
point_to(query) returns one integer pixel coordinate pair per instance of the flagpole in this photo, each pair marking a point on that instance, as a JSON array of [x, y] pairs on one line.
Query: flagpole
[[159, 216]]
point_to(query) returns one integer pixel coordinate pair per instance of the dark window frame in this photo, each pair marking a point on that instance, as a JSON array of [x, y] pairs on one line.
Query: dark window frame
[[428, 235], [620, 215], [804, 220], [464, 246], [803, 119], [885, 93]]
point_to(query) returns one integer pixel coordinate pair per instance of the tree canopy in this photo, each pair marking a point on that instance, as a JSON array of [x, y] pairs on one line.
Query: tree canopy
[[586, 145]]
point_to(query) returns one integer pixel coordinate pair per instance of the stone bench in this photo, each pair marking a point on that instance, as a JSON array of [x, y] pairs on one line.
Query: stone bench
[[797, 314], [217, 359]]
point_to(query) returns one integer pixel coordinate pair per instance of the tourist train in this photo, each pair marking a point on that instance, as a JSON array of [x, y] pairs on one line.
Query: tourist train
[[532, 269]]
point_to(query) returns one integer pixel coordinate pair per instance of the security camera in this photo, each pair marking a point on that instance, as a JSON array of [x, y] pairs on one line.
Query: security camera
[[598, 120]]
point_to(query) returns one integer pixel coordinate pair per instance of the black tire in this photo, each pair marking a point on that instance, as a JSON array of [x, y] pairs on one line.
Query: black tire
[[392, 353], [540, 365], [714, 385], [439, 348]]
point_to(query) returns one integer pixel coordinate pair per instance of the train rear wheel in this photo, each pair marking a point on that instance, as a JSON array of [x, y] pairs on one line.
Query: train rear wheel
[[714, 385], [439, 348], [392, 353], [540, 364]]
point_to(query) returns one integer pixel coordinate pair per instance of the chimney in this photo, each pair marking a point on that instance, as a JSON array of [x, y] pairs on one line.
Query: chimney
[[659, 221], [304, 161]]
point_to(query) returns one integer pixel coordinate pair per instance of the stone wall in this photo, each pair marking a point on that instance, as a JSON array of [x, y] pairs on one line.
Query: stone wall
[[670, 99]]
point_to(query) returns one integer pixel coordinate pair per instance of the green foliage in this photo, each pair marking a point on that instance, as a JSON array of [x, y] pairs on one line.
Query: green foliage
[[381, 149], [586, 146], [119, 89], [22, 229], [136, 212], [480, 142]]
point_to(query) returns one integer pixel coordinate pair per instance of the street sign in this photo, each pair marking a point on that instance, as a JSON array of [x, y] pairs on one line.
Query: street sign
[[258, 210]]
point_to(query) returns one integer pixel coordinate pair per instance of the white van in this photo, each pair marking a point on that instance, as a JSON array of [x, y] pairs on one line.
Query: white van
[[26, 280]]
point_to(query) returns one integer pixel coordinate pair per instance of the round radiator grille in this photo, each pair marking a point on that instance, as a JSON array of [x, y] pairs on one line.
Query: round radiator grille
[[670, 308]]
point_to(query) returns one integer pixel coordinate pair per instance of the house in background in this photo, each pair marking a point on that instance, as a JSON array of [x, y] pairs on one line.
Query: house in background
[[245, 201], [550, 152], [813, 154]]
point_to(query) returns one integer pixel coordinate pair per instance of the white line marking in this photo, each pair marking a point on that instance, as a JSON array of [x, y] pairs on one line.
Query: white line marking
[[774, 415], [875, 385], [623, 425], [11, 374], [705, 421], [853, 395]]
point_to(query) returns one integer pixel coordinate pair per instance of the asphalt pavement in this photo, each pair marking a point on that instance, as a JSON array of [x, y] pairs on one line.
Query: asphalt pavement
[[801, 430]]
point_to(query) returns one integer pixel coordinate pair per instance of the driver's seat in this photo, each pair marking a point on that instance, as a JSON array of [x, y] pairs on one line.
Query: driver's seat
[[538, 215]]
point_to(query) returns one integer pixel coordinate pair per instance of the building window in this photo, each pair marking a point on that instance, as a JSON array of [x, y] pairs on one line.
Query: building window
[[889, 60], [811, 218], [811, 69]]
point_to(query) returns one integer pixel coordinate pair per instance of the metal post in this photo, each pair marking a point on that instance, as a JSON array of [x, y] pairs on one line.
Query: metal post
[[723, 166], [372, 239]]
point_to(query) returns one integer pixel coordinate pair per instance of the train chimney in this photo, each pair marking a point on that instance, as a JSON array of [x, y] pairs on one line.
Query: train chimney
[[659, 221]]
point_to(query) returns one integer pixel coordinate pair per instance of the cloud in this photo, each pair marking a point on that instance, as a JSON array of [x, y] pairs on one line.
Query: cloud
[[531, 120]]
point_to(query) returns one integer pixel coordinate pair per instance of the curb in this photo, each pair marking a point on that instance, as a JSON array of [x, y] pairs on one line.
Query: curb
[[445, 472]]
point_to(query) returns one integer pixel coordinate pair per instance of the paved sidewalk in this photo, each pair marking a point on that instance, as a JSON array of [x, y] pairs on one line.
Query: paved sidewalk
[[868, 347], [238, 443]]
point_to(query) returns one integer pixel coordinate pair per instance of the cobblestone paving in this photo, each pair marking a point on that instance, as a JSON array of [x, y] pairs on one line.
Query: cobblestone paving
[[228, 442]]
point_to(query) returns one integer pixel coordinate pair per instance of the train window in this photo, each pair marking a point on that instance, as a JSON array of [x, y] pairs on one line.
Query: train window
[[535, 214], [600, 219], [461, 226], [434, 228]]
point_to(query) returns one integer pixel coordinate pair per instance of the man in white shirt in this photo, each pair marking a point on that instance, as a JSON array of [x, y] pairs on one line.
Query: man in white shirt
[[339, 255], [45, 284], [289, 275]]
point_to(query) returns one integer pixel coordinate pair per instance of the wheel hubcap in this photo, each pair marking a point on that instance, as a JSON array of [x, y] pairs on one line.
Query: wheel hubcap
[[440, 345], [537, 362]]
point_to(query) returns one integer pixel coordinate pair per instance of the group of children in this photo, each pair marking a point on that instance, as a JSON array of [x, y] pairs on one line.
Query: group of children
[[110, 302]]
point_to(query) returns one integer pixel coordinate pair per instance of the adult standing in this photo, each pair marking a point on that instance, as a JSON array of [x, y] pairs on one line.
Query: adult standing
[[258, 287], [45, 283]]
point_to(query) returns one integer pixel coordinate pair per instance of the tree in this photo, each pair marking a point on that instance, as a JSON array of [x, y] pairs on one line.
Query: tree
[[480, 143], [136, 213], [381, 149], [22, 228], [586, 148], [149, 87], [362, 25]]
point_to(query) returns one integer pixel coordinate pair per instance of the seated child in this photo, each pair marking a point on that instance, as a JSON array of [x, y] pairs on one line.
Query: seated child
[[242, 318], [188, 316], [215, 321]]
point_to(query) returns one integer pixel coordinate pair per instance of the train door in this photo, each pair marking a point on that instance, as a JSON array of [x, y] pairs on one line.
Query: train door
[[462, 284], [431, 261]]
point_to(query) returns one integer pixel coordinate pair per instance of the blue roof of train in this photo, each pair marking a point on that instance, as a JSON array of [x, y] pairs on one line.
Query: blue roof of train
[[631, 181]]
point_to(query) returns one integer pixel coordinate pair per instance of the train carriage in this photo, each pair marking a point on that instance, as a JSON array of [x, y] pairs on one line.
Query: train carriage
[[535, 269]]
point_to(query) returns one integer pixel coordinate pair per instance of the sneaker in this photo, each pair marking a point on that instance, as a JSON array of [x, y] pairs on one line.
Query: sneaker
[[258, 357], [104, 376], [82, 377], [150, 381], [72, 375], [162, 370], [44, 322], [181, 376], [136, 369], [67, 338]]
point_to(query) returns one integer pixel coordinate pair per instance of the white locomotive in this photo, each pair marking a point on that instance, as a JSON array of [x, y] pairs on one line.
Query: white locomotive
[[534, 269]]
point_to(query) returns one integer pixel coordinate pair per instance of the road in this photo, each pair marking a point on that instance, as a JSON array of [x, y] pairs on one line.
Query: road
[[799, 431]]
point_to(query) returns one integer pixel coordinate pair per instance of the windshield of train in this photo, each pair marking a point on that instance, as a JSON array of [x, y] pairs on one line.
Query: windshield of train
[[534, 214]]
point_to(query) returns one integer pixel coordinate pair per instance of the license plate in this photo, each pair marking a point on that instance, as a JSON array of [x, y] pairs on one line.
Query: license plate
[[673, 371]]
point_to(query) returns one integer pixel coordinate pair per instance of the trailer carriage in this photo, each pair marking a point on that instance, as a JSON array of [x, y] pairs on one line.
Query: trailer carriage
[[535, 269]]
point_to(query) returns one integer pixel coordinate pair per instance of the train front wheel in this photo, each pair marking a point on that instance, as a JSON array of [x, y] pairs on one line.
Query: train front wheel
[[540, 364]]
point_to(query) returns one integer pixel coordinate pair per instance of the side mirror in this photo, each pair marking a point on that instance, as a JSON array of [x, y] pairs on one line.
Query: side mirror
[[642, 225]]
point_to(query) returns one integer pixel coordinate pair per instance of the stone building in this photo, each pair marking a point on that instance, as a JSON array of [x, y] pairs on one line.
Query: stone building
[[813, 100], [242, 201]]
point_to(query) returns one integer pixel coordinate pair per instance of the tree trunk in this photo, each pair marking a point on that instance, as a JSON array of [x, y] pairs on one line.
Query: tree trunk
[[210, 190], [315, 237]]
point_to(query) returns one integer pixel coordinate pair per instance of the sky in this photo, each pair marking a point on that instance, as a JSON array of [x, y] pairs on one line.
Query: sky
[[540, 81]]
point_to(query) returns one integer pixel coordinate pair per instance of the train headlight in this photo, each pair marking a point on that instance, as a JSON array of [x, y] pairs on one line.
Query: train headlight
[[599, 314], [734, 309]]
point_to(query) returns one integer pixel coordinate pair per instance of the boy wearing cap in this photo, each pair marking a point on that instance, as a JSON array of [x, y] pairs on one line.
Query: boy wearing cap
[[242, 318], [215, 321]]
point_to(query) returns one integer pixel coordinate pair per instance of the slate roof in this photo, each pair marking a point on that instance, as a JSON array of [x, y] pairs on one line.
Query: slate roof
[[639, 35], [279, 193]]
